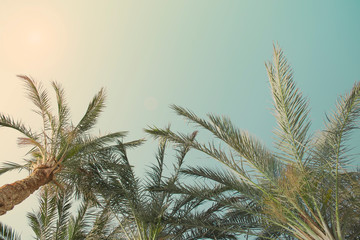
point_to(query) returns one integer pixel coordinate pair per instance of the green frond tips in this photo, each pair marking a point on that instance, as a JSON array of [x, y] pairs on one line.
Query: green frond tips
[[9, 166], [93, 111], [291, 110], [54, 220], [37, 95], [306, 190], [7, 233], [63, 109], [252, 151], [134, 144], [331, 153], [330, 144], [7, 121]]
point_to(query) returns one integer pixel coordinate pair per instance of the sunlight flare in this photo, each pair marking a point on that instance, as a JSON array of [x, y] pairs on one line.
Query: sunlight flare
[[32, 38]]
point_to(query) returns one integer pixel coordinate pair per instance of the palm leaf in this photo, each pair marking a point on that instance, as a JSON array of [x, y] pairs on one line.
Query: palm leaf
[[101, 226], [9, 166], [330, 145], [40, 98], [37, 95], [331, 152], [42, 221], [291, 109], [7, 121], [240, 141], [63, 109], [88, 145], [304, 191], [92, 113], [78, 224], [7, 233], [63, 205]]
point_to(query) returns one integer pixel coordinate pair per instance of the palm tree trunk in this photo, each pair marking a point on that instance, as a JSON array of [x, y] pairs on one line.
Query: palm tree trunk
[[15, 193]]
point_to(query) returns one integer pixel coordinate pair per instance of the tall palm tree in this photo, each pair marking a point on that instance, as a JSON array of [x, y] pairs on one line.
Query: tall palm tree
[[60, 150], [305, 189]]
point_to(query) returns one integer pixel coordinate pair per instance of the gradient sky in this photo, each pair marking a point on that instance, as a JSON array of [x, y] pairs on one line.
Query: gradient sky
[[205, 55]]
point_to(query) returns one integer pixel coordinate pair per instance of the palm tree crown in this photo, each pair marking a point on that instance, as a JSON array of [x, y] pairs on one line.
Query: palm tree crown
[[151, 208], [304, 188], [60, 150]]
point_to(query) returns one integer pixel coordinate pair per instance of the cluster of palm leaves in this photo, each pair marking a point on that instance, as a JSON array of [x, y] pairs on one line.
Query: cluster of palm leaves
[[53, 220], [147, 208], [126, 207], [60, 150], [305, 188]]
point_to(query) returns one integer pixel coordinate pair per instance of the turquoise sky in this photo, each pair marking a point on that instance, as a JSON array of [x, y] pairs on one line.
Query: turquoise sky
[[205, 55]]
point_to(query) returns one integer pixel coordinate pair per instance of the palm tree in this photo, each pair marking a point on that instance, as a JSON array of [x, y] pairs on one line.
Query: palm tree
[[59, 151], [54, 221], [130, 208], [148, 209], [305, 189], [151, 209]]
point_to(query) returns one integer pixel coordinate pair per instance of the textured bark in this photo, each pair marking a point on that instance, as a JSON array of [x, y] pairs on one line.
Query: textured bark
[[15, 193]]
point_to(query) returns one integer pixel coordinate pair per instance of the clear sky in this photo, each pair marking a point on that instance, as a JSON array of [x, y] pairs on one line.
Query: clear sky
[[205, 55]]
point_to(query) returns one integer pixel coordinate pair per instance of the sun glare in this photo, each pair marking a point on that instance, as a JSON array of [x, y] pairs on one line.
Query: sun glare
[[32, 38], [35, 38]]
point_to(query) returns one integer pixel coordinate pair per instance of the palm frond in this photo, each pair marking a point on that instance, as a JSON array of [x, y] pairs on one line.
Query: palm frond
[[60, 125], [92, 113], [133, 144], [246, 146], [154, 178], [227, 179], [101, 226], [330, 147], [89, 144], [7, 233], [79, 223], [42, 221], [37, 95], [227, 159], [291, 109], [63, 109], [9, 166], [7, 121], [305, 191], [63, 205], [41, 100]]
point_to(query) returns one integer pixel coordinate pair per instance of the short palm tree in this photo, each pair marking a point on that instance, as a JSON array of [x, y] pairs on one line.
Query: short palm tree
[[54, 221], [57, 152], [149, 209], [305, 189]]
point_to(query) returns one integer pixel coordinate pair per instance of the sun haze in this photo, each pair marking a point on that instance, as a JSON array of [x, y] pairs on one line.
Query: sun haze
[[32, 37]]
